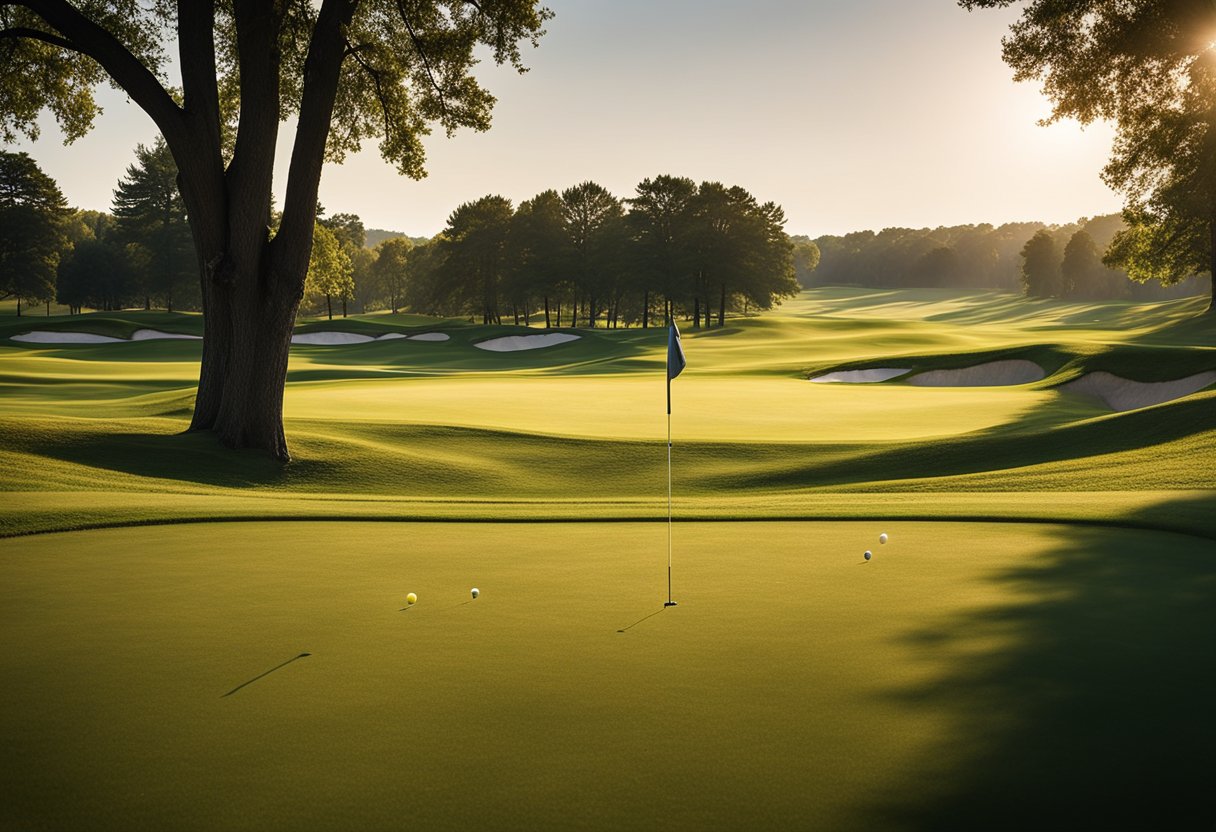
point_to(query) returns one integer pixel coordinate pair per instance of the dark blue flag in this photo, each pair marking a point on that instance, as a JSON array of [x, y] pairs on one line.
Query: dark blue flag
[[675, 358]]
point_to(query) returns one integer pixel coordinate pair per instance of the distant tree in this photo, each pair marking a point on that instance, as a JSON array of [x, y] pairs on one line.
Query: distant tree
[[97, 273], [330, 273], [594, 223], [1083, 272], [425, 291], [541, 250], [348, 231], [937, 267], [1041, 267], [1148, 66], [32, 217], [152, 219], [661, 221], [389, 270], [475, 256], [806, 260]]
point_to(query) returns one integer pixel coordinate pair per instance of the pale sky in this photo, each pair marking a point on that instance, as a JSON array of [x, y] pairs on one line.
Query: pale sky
[[851, 114]]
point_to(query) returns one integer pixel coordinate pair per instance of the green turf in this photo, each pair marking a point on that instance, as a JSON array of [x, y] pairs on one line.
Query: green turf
[[470, 433], [966, 678]]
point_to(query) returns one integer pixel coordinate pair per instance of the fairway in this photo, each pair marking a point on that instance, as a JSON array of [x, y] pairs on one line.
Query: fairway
[[972, 675]]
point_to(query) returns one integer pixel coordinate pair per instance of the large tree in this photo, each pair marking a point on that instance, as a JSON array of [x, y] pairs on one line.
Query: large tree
[[1148, 66], [32, 215], [369, 68], [152, 220]]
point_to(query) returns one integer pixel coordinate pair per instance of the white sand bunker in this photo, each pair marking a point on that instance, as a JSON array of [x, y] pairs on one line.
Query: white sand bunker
[[1124, 394], [156, 335], [330, 339], [861, 376], [46, 337], [43, 337], [513, 343], [991, 374]]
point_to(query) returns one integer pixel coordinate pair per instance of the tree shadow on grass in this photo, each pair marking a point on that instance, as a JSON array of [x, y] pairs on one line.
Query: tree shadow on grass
[[1082, 703], [187, 457]]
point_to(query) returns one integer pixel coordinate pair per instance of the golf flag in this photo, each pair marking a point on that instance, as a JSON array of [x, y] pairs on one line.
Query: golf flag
[[675, 359]]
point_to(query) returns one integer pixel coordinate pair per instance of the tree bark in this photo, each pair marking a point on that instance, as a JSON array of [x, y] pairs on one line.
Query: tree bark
[[722, 307], [646, 310], [696, 312], [547, 326], [1212, 264]]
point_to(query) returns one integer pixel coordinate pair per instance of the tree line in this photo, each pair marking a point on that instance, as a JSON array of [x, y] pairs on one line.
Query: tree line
[[1071, 261], [584, 257]]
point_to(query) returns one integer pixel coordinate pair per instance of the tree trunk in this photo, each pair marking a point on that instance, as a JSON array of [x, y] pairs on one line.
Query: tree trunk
[[646, 310], [48, 309], [722, 307], [547, 312], [147, 303], [343, 307], [1212, 264], [559, 314], [18, 306], [696, 312]]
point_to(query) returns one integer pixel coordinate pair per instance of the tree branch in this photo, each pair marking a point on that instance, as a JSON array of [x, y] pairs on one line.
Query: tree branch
[[322, 69], [36, 34], [353, 51], [426, 64], [196, 50], [132, 76]]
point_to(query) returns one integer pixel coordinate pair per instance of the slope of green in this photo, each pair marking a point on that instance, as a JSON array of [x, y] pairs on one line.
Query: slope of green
[[444, 429]]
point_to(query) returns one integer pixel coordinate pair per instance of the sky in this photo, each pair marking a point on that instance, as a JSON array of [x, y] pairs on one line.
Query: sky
[[850, 114]]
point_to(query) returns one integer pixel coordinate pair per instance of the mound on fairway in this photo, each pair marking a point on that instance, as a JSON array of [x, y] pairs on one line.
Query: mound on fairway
[[870, 376], [989, 374], [514, 343], [1123, 394]]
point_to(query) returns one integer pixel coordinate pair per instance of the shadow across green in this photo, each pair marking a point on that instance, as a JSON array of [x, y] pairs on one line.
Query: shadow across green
[[1082, 704]]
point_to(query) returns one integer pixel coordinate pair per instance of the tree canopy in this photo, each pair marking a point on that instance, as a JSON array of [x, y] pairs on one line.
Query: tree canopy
[[1149, 67], [32, 215], [347, 70]]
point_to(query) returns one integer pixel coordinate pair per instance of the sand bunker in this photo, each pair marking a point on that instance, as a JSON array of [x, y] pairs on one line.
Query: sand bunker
[[156, 335], [992, 374], [43, 337], [1124, 394], [331, 339], [513, 343], [861, 376]]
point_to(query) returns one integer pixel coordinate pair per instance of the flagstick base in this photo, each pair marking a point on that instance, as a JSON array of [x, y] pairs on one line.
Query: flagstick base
[[671, 604]]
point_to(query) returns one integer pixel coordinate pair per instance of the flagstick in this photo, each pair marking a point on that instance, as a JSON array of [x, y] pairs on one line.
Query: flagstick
[[670, 603]]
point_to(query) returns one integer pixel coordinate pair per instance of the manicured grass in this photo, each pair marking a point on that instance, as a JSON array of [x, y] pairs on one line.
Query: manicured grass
[[580, 427], [967, 677]]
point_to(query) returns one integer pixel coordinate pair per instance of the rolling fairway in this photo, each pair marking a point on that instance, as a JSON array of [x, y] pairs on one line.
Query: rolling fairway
[[972, 675]]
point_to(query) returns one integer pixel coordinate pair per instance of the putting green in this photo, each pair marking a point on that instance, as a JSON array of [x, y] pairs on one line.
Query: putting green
[[972, 675]]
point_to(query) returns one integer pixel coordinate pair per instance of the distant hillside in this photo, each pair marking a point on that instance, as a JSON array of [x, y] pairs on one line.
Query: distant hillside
[[375, 236]]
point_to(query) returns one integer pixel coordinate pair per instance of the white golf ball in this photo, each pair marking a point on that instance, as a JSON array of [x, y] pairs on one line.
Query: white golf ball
[[868, 554], [475, 592], [882, 538]]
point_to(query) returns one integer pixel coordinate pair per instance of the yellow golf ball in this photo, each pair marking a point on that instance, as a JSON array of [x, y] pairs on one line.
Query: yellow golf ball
[[411, 599]]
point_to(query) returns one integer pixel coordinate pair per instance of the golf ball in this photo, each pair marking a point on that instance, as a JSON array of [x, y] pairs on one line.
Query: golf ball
[[411, 599], [475, 592], [868, 554], [882, 538]]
